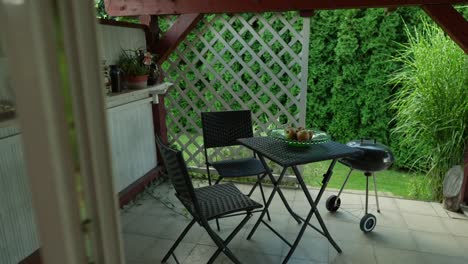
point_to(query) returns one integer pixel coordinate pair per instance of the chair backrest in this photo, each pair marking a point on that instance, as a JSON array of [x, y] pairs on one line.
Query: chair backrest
[[178, 174], [221, 129]]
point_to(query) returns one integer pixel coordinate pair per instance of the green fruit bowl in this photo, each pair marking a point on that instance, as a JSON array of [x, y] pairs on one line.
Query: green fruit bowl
[[318, 137]]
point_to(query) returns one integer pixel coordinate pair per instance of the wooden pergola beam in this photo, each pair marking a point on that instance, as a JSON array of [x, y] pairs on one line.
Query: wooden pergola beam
[[178, 31], [451, 21], [170, 7]]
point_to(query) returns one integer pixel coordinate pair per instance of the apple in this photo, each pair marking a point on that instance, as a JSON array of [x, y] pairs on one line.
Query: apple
[[290, 133], [303, 135]]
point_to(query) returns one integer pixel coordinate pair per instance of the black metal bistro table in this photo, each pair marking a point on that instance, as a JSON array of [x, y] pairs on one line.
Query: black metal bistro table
[[290, 157]]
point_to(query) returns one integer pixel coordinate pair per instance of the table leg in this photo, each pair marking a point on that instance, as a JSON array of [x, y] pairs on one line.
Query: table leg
[[286, 204], [326, 179], [270, 199], [313, 210]]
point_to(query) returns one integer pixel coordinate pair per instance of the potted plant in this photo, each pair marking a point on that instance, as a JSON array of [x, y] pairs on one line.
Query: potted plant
[[136, 66]]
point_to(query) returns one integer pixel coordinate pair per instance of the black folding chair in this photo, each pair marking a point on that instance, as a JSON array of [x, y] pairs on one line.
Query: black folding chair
[[205, 203], [222, 129]]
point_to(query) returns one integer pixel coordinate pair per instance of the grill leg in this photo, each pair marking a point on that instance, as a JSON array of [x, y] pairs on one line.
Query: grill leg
[[344, 184], [376, 195], [367, 190]]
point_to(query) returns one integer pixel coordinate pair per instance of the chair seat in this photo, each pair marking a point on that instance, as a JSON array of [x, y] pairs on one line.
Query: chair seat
[[222, 199], [239, 167]]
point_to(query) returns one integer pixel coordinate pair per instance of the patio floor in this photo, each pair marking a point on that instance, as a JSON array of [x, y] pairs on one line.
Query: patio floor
[[407, 232]]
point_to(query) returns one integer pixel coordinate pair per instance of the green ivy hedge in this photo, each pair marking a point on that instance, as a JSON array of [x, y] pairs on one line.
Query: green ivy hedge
[[349, 65]]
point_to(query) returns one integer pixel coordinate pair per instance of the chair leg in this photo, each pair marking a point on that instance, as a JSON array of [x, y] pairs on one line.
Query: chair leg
[[217, 220], [176, 243], [253, 188], [218, 180], [217, 225], [223, 246], [376, 195], [208, 173], [263, 194]]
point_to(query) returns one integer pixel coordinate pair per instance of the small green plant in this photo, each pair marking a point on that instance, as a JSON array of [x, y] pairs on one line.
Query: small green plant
[[135, 62], [432, 104]]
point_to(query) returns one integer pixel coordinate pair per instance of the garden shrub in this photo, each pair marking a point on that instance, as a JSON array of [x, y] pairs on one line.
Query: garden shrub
[[349, 65], [432, 103]]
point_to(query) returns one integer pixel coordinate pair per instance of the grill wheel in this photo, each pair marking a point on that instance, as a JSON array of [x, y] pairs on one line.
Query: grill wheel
[[368, 223], [332, 204]]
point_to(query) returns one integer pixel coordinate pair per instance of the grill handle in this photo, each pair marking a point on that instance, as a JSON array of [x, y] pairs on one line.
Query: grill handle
[[369, 139]]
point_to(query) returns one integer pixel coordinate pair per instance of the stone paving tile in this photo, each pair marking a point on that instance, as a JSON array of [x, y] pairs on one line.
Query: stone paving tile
[[167, 227], [353, 253], [424, 223], [415, 207], [388, 218], [127, 218], [392, 238], [406, 232], [159, 249], [347, 232], [249, 257], [310, 248], [440, 211], [463, 242], [223, 233], [200, 254], [397, 256], [304, 261], [263, 242], [135, 245], [441, 244], [456, 227]]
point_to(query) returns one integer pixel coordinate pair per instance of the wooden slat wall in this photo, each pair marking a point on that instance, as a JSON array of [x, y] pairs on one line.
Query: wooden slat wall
[[18, 237]]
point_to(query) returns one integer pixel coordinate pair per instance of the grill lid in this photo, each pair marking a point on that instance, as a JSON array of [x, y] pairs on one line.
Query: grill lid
[[375, 156]]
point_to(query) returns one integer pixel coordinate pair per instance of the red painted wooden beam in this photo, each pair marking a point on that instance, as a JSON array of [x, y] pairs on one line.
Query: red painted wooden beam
[[307, 13], [183, 25], [451, 21], [164, 7]]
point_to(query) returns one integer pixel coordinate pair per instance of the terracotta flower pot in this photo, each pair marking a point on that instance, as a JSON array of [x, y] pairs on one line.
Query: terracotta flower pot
[[137, 82]]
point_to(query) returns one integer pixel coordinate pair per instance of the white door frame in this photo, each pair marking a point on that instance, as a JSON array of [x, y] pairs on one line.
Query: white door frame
[[30, 28]]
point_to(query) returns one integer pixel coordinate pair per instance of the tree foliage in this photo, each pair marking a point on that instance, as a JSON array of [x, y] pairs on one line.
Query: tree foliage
[[349, 65]]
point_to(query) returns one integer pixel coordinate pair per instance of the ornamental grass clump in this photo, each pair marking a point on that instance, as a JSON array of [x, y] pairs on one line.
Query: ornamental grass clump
[[432, 103]]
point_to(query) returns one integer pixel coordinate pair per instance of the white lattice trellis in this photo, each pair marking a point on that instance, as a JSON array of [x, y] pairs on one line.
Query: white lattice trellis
[[229, 62]]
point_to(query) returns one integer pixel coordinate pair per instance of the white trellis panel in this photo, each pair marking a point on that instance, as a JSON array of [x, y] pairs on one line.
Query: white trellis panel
[[232, 62]]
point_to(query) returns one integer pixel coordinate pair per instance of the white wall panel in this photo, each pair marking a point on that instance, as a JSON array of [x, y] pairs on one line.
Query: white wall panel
[[18, 237], [132, 142], [114, 39]]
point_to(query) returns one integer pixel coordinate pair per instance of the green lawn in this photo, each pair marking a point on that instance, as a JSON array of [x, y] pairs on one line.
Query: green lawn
[[391, 181]]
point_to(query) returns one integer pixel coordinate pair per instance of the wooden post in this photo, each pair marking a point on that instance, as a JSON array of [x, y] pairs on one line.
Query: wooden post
[[451, 21], [159, 119], [152, 31], [174, 35]]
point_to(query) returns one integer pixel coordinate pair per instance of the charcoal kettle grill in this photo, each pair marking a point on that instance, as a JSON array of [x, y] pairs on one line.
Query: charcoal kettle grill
[[375, 157]]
